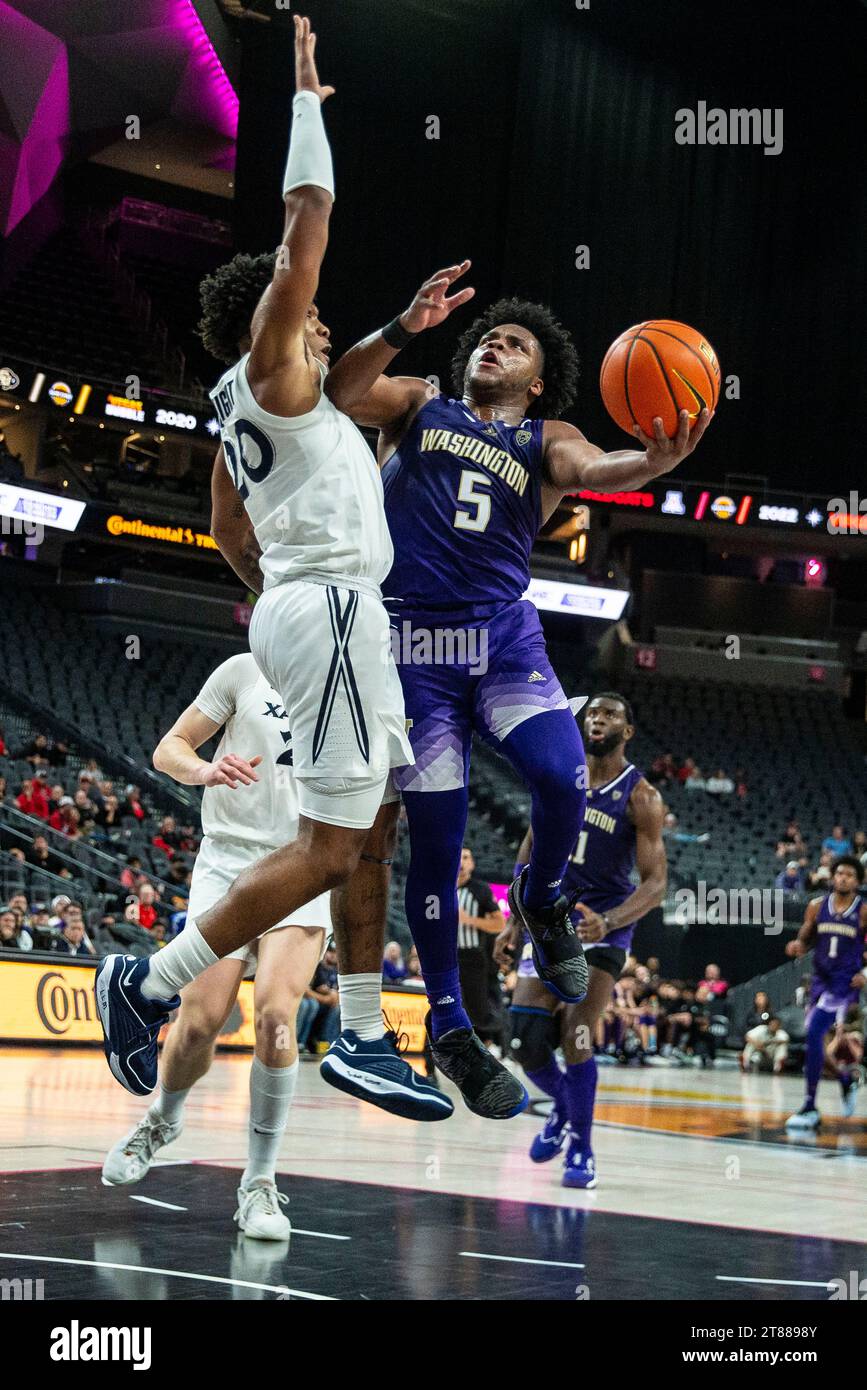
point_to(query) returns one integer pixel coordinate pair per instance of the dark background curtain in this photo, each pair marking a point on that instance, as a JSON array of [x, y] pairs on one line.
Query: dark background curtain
[[557, 130]]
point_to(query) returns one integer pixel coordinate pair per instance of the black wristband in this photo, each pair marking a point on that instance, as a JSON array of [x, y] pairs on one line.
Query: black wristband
[[396, 335]]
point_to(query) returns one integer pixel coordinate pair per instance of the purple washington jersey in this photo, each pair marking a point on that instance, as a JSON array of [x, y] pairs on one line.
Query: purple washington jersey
[[462, 500], [599, 873], [839, 954]]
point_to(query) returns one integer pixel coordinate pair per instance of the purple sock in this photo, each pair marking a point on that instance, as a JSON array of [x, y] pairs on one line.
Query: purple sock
[[579, 1085], [550, 1079], [444, 996], [548, 753]]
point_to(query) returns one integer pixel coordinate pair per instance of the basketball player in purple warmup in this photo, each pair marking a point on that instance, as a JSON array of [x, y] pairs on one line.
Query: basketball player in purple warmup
[[468, 482], [836, 925], [622, 831]]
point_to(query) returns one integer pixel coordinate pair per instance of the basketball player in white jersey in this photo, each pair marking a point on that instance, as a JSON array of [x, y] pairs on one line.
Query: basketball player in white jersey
[[298, 499], [249, 807]]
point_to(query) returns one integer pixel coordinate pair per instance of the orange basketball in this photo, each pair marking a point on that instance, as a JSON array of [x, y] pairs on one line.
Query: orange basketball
[[659, 368]]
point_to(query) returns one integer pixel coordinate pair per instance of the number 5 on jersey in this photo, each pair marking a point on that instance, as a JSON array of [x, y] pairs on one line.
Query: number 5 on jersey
[[471, 489]]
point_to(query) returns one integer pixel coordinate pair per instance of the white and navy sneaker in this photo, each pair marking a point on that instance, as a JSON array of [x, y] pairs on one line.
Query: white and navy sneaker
[[259, 1215], [132, 1156], [551, 1138], [130, 1023], [807, 1118], [579, 1169], [376, 1072]]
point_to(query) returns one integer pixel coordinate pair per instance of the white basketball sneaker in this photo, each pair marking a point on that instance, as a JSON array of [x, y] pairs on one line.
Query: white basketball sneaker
[[132, 1156], [259, 1215], [807, 1118]]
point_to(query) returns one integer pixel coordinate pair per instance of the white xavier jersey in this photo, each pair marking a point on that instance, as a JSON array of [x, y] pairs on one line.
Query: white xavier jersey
[[265, 812], [310, 485]]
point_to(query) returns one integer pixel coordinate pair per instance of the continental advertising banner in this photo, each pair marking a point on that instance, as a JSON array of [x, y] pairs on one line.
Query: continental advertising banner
[[41, 1002]]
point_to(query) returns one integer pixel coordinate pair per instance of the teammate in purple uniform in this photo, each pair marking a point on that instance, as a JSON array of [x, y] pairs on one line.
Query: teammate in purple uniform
[[836, 925], [468, 482], [622, 831]]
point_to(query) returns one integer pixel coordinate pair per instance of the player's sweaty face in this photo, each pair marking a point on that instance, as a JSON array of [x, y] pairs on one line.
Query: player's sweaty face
[[507, 356], [604, 726]]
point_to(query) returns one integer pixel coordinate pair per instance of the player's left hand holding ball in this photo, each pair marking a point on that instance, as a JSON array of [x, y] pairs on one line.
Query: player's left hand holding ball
[[664, 454]]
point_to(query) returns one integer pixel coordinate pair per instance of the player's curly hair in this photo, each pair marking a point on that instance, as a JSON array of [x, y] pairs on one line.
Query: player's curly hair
[[560, 367], [229, 295], [850, 862]]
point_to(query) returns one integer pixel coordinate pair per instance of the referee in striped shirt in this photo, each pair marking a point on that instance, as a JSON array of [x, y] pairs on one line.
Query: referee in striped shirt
[[479, 922]]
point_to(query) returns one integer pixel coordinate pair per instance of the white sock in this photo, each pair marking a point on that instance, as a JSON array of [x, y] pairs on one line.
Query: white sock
[[177, 964], [169, 1105], [361, 1005], [272, 1090]]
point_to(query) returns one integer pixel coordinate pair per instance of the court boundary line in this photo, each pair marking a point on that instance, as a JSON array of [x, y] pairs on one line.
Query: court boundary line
[[171, 1273]]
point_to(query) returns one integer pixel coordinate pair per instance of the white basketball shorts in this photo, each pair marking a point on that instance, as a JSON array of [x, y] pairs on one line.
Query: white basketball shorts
[[218, 863], [327, 650]]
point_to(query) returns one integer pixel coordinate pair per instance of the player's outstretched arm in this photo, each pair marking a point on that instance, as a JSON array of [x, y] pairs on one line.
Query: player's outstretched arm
[[232, 528], [355, 383], [804, 940], [571, 461], [176, 755], [278, 371]]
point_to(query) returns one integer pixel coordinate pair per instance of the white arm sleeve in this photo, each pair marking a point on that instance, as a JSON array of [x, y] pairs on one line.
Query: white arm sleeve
[[309, 159]]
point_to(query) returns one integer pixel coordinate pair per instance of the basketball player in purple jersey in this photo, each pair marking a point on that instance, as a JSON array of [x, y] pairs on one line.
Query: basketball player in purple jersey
[[836, 925], [468, 482], [622, 831]]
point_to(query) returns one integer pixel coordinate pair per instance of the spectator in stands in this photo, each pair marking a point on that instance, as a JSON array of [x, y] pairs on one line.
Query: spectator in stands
[[791, 844], [741, 788], [12, 936], [32, 799], [178, 879], [760, 1011], [823, 873], [147, 905], [18, 905], [160, 932], [66, 818], [686, 769], [714, 982], [838, 842], [132, 803], [671, 831], [108, 826], [720, 784], [326, 1024], [73, 940], [859, 844], [56, 793], [3, 748], [57, 907], [17, 854], [393, 968], [40, 856], [167, 838], [40, 922], [792, 879], [86, 811], [695, 782], [844, 1047], [3, 792], [35, 751], [413, 970], [133, 875], [663, 770], [766, 1045], [88, 783]]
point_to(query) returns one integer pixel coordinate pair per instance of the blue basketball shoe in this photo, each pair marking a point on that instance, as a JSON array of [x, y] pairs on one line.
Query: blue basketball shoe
[[130, 1023], [579, 1169], [376, 1072], [551, 1138]]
